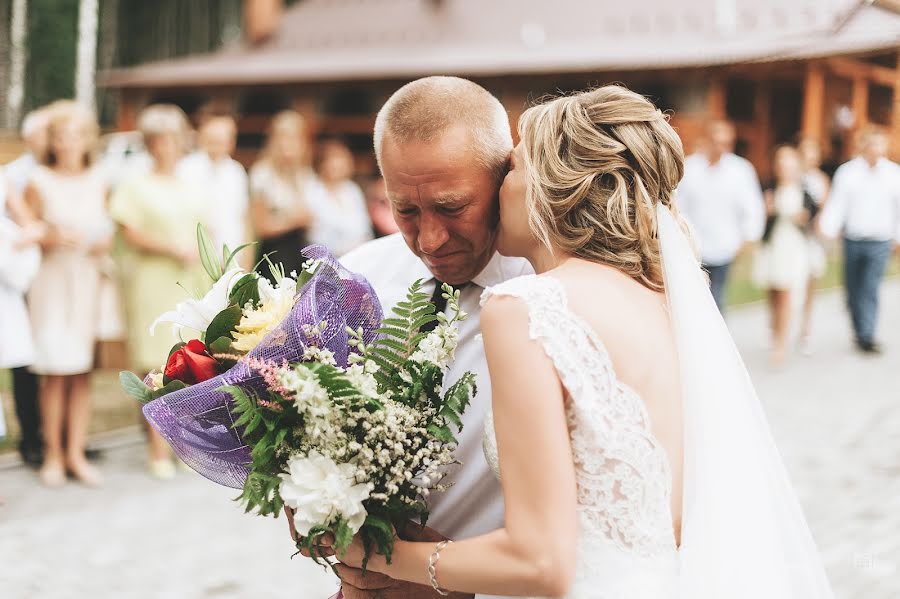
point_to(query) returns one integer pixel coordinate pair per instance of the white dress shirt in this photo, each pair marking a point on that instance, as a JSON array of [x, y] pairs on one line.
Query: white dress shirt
[[19, 170], [341, 218], [474, 505], [864, 202], [724, 203], [225, 183]]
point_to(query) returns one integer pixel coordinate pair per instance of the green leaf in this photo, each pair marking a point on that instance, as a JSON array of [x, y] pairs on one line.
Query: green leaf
[[224, 323], [441, 433], [222, 345], [229, 256], [304, 277], [176, 347], [171, 386], [135, 387], [246, 290], [343, 536], [208, 254]]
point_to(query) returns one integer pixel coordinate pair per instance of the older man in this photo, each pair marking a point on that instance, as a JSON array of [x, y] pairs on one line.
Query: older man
[[24, 382], [721, 197], [443, 145], [865, 206], [212, 168]]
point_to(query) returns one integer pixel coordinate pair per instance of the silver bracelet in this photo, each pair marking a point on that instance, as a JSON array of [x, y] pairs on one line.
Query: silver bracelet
[[432, 567]]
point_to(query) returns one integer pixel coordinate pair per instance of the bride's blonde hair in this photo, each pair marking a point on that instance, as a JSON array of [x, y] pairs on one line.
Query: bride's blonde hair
[[597, 163]]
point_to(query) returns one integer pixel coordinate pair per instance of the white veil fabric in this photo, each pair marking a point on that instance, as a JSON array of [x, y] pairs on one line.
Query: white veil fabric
[[743, 533]]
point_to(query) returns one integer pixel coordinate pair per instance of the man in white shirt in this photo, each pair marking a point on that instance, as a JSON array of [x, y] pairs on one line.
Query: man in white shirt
[[443, 145], [25, 382], [720, 196], [864, 205], [213, 169]]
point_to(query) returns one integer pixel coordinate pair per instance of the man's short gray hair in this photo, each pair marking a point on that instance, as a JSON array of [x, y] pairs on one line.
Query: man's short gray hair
[[425, 108]]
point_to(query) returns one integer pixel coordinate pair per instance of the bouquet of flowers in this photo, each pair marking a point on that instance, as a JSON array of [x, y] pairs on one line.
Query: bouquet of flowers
[[300, 394]]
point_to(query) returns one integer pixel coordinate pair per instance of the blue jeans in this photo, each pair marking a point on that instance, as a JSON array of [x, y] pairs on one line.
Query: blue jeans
[[864, 265], [718, 276]]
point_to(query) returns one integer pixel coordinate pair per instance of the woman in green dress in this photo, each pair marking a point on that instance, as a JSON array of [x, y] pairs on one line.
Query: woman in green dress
[[158, 215]]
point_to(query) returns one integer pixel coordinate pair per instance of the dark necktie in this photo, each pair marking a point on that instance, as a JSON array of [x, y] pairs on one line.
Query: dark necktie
[[440, 304]]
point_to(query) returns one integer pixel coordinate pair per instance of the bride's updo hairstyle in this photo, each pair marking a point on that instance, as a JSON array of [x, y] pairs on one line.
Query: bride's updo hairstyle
[[596, 165]]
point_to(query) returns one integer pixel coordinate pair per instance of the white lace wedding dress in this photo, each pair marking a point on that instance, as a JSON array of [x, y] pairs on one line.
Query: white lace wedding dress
[[626, 548], [743, 533]]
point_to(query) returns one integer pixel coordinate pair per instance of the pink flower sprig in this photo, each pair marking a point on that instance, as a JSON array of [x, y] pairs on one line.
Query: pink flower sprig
[[270, 372]]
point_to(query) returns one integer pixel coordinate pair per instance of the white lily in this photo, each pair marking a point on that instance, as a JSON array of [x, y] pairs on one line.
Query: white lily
[[196, 314]]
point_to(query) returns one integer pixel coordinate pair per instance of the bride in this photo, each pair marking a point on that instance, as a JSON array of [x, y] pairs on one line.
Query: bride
[[635, 459]]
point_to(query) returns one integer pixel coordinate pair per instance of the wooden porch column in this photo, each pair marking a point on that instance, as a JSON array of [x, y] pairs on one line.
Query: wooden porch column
[[761, 148], [895, 115], [715, 98], [859, 101], [813, 102]]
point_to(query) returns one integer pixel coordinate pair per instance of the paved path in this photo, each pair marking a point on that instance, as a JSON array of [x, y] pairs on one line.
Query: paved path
[[836, 416]]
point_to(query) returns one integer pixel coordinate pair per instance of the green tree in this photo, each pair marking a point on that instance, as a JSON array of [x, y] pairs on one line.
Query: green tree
[[52, 39]]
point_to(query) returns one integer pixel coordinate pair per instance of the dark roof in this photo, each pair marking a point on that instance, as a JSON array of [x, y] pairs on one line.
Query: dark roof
[[333, 40]]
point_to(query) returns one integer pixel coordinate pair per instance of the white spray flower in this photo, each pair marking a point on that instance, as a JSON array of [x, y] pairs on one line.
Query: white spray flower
[[320, 491]]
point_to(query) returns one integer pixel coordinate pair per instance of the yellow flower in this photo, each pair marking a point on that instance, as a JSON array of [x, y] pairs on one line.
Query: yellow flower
[[256, 323]]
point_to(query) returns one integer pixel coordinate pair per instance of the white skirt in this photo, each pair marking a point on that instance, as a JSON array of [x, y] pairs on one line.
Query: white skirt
[[783, 262]]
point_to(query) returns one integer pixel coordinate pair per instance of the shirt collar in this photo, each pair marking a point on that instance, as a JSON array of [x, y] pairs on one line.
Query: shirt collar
[[499, 269]]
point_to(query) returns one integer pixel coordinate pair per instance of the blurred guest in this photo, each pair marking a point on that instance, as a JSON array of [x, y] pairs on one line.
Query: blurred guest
[[24, 381], [158, 215], [816, 184], [19, 261], [782, 260], [379, 206], [864, 205], [212, 168], [721, 197], [68, 197], [341, 221], [280, 185]]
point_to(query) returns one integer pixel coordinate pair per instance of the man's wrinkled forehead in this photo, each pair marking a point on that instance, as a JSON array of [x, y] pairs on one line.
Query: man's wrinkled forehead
[[436, 191]]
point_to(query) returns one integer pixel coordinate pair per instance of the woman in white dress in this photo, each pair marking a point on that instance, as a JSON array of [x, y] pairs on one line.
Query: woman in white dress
[[783, 259], [68, 197], [635, 461]]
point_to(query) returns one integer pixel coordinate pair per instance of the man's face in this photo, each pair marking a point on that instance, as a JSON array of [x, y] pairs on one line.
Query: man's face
[[218, 138], [875, 147], [444, 202], [721, 139]]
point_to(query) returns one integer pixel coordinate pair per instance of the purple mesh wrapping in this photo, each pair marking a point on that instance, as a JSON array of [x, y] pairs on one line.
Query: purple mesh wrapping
[[197, 421]]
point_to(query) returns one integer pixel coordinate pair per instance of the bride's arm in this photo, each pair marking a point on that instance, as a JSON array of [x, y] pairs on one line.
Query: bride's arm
[[534, 554]]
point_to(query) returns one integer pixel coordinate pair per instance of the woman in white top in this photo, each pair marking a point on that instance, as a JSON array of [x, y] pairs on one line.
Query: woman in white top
[[68, 196], [279, 193], [341, 218], [782, 260]]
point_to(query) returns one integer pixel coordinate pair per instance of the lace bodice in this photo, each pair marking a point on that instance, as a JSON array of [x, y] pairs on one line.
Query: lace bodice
[[627, 545]]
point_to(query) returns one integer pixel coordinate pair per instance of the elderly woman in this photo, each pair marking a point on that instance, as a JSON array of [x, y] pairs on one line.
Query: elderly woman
[[158, 215], [67, 196]]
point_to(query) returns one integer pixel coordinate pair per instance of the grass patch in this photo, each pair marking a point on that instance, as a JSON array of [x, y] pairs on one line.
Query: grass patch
[[742, 290]]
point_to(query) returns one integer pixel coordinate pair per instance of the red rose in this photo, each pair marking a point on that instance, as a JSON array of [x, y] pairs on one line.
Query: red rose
[[191, 364]]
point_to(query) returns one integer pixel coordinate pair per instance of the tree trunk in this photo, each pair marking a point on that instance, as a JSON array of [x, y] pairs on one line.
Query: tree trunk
[[86, 63], [15, 90]]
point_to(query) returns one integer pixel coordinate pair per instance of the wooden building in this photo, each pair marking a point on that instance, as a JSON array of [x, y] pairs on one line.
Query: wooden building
[[779, 69]]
